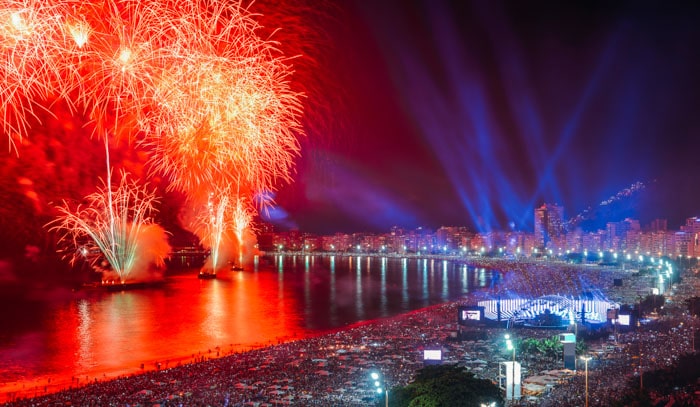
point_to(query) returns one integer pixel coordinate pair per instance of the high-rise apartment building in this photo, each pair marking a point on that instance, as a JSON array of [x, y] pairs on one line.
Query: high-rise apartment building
[[549, 221], [616, 233], [658, 225], [692, 229]]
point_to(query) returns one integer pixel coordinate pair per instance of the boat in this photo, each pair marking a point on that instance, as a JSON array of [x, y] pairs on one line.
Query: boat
[[206, 275], [236, 267], [117, 286]]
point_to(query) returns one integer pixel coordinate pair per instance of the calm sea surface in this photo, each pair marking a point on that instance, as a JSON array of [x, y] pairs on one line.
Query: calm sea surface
[[64, 336]]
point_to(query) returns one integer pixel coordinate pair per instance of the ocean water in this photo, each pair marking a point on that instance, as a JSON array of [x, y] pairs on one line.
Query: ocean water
[[60, 338]]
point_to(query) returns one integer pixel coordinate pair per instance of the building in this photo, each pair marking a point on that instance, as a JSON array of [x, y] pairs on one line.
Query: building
[[549, 220], [616, 233], [658, 225], [550, 238], [692, 229]]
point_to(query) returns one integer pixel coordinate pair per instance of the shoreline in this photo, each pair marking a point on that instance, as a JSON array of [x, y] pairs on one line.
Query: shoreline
[[443, 314], [48, 384], [12, 392]]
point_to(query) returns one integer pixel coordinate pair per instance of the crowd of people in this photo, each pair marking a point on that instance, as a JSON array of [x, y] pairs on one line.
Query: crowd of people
[[611, 373], [334, 369]]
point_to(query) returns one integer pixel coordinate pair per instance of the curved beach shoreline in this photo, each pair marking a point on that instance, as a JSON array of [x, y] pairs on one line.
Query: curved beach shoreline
[[333, 368]]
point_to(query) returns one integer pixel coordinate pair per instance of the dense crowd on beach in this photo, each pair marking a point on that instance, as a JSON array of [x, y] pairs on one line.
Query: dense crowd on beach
[[334, 369], [650, 347]]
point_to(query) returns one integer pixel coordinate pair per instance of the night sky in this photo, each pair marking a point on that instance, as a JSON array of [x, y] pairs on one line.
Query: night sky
[[431, 113], [474, 112]]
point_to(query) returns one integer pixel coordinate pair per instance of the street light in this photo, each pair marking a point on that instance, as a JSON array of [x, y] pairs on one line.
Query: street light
[[509, 345], [586, 359], [378, 385]]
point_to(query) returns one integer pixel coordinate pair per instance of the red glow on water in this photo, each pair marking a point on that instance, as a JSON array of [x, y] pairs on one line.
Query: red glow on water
[[104, 335]]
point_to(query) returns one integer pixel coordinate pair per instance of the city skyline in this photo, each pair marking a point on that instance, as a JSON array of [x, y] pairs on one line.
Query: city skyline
[[550, 237], [476, 113]]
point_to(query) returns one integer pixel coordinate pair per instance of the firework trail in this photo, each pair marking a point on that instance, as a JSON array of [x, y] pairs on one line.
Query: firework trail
[[243, 214], [222, 223], [113, 229], [242, 219], [623, 194], [212, 229]]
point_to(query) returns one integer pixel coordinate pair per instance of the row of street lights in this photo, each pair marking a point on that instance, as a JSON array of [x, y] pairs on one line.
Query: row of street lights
[[510, 346], [379, 388], [586, 359]]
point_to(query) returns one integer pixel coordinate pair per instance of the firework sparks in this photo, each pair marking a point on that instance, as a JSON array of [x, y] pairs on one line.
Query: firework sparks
[[28, 65], [212, 227], [221, 119], [116, 54], [243, 213], [175, 70], [113, 229], [193, 83], [242, 220], [222, 223]]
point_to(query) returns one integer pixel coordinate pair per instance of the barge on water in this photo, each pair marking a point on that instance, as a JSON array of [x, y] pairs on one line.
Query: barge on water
[[117, 286], [206, 275]]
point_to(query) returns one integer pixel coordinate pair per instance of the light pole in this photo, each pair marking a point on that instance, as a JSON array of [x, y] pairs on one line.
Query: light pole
[[586, 359], [692, 337], [509, 345], [378, 385]]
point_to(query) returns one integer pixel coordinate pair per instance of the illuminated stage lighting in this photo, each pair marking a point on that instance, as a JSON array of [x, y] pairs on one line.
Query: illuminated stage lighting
[[549, 311]]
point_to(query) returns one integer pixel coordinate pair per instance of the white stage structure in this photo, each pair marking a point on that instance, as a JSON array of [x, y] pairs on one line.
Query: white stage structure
[[571, 310]]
